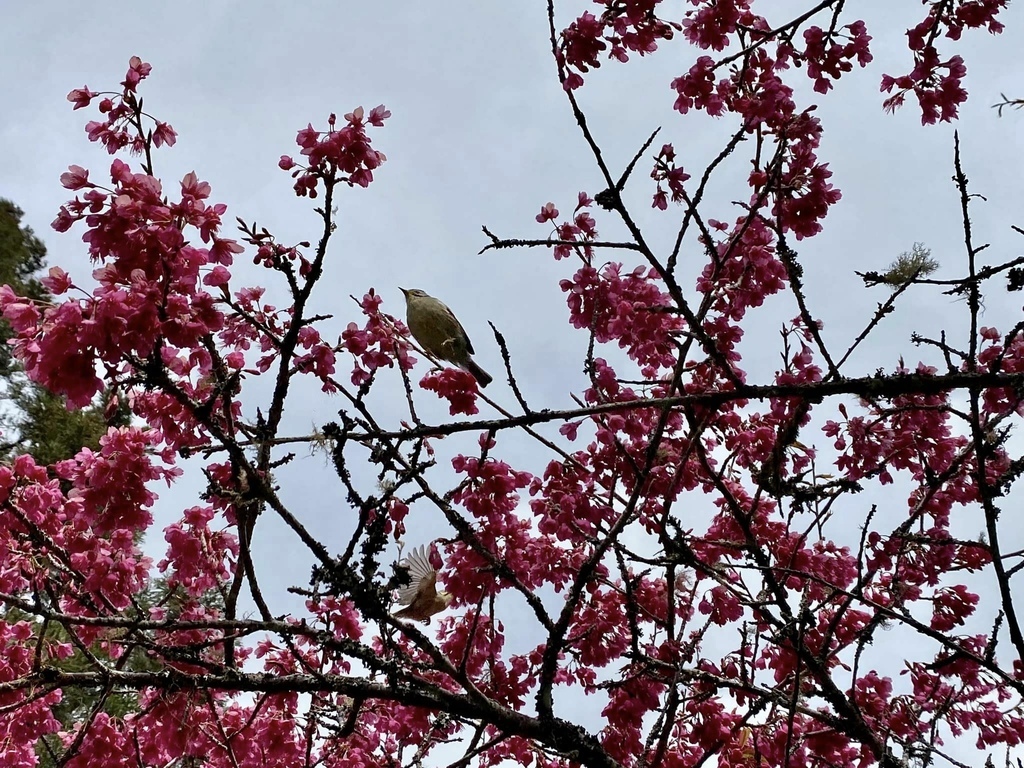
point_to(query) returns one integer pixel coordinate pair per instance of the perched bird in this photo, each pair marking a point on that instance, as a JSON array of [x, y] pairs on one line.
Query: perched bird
[[420, 596], [440, 333]]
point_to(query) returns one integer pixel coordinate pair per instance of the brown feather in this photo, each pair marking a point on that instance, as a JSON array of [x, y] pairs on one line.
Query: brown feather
[[420, 596]]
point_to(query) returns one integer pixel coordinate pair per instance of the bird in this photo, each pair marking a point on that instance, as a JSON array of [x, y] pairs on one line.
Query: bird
[[420, 596], [440, 333]]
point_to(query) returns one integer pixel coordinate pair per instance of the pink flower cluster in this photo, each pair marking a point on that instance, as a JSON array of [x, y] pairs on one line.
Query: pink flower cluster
[[713, 22], [149, 302], [827, 59], [746, 272], [337, 154], [35, 712], [622, 28], [802, 192], [937, 83], [582, 229], [629, 309], [184, 724], [78, 542], [796, 181], [198, 558], [378, 344], [666, 170], [490, 494], [697, 89], [120, 128], [456, 386]]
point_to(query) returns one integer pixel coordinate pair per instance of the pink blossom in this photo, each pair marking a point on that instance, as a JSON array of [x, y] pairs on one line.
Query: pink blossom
[[76, 178], [81, 97], [548, 212], [57, 281]]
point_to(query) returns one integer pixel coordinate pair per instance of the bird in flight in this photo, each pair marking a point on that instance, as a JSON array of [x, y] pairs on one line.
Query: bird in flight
[[420, 596]]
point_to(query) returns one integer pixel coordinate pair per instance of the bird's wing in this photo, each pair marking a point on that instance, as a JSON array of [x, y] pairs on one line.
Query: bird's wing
[[469, 344], [422, 578]]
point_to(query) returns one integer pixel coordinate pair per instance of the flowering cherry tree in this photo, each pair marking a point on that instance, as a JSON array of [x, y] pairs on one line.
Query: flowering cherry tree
[[751, 636]]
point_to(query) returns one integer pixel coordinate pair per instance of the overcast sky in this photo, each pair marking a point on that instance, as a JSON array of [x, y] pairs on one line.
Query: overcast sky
[[481, 134]]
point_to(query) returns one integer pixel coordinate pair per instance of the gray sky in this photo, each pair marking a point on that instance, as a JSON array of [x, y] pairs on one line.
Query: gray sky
[[481, 134]]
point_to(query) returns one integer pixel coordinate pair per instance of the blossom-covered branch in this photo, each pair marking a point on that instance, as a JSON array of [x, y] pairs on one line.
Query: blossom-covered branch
[[706, 555]]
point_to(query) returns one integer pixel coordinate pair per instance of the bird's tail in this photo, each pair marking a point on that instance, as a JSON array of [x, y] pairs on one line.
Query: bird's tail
[[482, 376]]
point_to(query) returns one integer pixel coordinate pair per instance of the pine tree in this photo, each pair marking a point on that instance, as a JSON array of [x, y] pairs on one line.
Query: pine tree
[[22, 256]]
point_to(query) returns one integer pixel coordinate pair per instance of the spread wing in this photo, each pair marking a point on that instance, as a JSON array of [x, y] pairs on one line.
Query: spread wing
[[422, 578]]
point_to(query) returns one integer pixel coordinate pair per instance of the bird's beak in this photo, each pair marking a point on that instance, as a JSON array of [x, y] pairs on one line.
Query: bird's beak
[[404, 292]]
